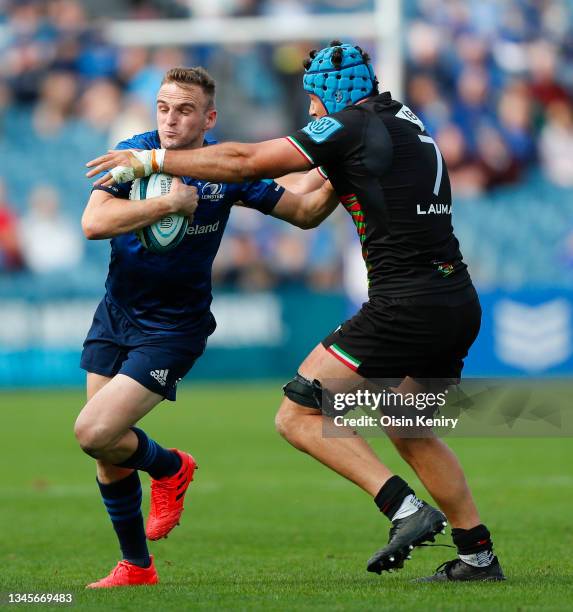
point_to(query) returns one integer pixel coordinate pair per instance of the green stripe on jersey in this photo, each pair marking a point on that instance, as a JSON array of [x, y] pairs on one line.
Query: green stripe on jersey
[[344, 354], [300, 148]]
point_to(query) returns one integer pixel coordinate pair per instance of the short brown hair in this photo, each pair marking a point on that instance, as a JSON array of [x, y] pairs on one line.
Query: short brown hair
[[193, 76]]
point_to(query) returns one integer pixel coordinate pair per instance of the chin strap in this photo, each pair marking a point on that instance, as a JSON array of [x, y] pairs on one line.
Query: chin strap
[[143, 163]]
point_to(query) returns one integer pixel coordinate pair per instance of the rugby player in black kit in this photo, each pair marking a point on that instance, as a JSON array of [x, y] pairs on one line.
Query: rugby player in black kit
[[422, 315]]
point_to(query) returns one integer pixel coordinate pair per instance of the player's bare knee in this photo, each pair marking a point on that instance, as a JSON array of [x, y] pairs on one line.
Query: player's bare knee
[[303, 397], [286, 419], [80, 429], [290, 420], [94, 438]]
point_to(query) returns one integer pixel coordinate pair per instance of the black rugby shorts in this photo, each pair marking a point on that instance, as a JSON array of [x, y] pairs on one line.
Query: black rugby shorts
[[422, 337]]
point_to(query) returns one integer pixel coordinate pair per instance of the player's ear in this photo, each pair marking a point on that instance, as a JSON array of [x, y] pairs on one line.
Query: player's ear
[[210, 119]]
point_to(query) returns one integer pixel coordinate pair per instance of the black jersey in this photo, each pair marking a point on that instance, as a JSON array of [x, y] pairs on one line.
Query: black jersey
[[390, 175]]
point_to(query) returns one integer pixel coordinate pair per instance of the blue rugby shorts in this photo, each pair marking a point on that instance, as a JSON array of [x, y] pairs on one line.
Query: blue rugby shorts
[[114, 345]]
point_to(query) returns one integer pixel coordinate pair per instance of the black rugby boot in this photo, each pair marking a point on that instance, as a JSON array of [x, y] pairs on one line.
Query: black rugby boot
[[458, 570], [405, 534]]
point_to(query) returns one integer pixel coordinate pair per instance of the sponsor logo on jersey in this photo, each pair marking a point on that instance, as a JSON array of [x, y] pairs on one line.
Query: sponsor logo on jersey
[[160, 376], [322, 129], [434, 209], [193, 230], [212, 191], [445, 268], [407, 114]]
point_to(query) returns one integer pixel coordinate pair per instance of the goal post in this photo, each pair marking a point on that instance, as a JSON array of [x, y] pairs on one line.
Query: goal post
[[383, 27]]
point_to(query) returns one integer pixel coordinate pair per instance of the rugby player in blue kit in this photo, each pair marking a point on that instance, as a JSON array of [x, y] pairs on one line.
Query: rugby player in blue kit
[[422, 315], [155, 318]]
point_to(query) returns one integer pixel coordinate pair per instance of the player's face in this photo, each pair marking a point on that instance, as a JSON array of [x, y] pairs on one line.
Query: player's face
[[316, 109], [183, 116]]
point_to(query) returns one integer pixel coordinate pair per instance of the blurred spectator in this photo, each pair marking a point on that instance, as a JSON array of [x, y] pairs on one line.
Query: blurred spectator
[[326, 243], [423, 46], [472, 110], [131, 61], [5, 101], [67, 16], [515, 122], [10, 253], [239, 264], [50, 241], [466, 176], [146, 81], [544, 86], [288, 257], [134, 118], [473, 50], [497, 163], [287, 60], [245, 8], [424, 96], [55, 107], [557, 144], [29, 51], [100, 104]]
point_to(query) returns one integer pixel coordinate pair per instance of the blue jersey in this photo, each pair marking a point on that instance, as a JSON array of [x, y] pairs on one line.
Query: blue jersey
[[171, 292]]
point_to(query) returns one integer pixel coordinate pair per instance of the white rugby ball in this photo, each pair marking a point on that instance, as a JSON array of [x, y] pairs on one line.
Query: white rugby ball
[[168, 232]]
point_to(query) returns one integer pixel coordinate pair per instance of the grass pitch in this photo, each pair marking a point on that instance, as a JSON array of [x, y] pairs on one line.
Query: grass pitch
[[266, 527]]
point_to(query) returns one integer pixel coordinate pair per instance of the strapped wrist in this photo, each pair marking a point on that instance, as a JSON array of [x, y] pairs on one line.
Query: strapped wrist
[[157, 159], [149, 162]]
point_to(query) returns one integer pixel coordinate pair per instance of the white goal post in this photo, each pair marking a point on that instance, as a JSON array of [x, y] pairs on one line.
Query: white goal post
[[383, 26]]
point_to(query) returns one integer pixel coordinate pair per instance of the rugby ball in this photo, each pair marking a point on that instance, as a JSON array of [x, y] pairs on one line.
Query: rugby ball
[[165, 234]]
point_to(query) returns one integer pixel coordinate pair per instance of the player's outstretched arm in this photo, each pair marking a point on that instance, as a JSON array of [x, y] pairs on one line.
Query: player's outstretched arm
[[302, 182], [231, 162], [307, 210], [106, 216]]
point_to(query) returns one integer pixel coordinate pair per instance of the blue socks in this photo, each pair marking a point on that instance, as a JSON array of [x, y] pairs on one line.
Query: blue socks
[[149, 457], [122, 500]]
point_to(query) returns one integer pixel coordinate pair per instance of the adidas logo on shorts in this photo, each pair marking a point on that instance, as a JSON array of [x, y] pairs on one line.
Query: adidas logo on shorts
[[160, 376]]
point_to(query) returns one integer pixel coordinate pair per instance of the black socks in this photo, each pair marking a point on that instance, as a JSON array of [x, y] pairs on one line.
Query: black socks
[[474, 545], [391, 495]]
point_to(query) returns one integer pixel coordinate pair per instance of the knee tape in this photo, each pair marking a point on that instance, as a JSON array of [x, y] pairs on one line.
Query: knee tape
[[304, 392]]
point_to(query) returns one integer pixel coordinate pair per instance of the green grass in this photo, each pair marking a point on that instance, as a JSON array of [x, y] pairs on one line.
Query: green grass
[[266, 527]]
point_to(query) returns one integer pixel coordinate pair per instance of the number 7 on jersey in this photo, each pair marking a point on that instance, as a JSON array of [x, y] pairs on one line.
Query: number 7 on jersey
[[439, 163]]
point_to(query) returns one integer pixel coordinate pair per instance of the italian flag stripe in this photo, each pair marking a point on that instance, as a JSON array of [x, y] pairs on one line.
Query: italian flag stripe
[[300, 149], [322, 172], [343, 356]]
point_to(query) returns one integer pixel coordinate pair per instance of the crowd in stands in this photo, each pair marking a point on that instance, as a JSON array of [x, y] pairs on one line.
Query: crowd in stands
[[491, 80]]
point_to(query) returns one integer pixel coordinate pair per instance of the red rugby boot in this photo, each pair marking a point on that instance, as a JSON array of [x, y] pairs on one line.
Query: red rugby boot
[[127, 574], [167, 495]]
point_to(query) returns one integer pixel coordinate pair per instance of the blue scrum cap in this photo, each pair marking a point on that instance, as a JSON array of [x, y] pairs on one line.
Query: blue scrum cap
[[339, 75]]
